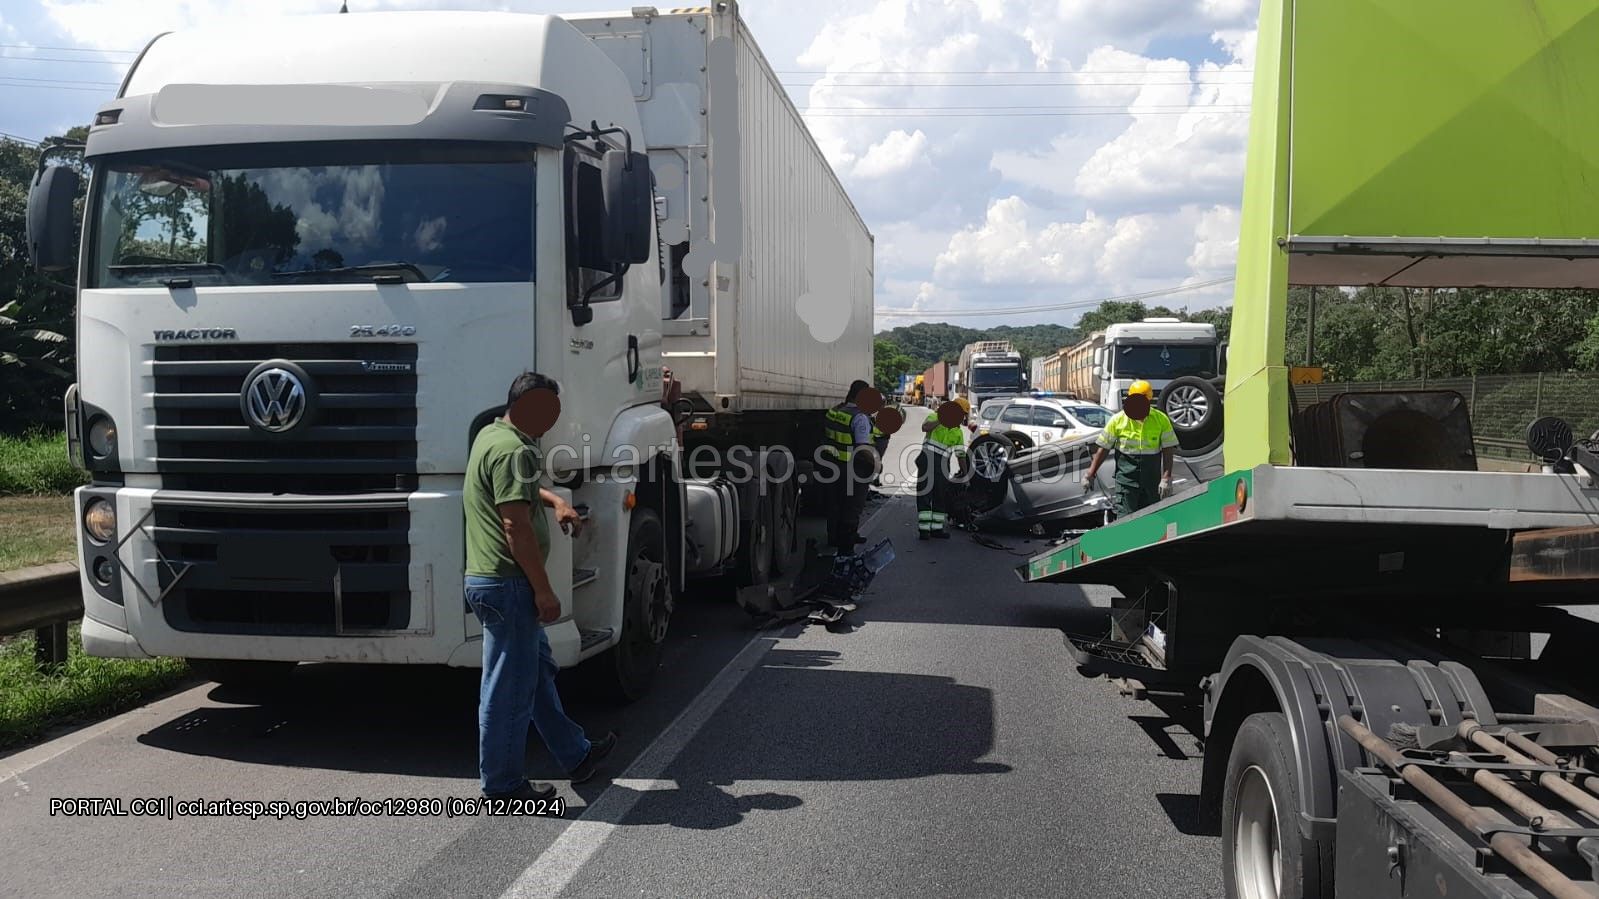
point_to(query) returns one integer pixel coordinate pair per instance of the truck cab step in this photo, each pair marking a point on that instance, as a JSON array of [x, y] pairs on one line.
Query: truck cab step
[[581, 576], [589, 639]]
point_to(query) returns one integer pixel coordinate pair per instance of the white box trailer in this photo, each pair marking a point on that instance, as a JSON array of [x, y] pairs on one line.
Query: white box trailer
[[771, 264]]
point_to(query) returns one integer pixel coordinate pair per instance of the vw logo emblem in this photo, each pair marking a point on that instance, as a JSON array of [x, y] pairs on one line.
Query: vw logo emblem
[[274, 400]]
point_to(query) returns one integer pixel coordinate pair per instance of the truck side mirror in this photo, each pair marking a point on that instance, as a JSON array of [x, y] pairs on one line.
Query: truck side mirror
[[1221, 358], [629, 209], [49, 219]]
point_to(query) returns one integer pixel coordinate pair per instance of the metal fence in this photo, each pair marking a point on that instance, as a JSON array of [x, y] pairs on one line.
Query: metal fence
[[1501, 405]]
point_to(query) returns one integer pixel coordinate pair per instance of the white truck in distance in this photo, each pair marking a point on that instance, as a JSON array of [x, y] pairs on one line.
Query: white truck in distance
[[316, 254], [1182, 361], [989, 369]]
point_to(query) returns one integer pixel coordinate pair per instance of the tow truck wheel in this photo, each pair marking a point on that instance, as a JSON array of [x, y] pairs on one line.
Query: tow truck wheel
[[1264, 856], [244, 675], [647, 608]]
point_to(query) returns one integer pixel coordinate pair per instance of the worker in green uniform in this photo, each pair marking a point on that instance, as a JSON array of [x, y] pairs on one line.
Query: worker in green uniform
[[943, 445], [1144, 443]]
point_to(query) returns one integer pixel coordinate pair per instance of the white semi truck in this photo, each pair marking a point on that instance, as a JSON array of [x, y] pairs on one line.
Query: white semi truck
[[989, 369], [316, 253], [1182, 361]]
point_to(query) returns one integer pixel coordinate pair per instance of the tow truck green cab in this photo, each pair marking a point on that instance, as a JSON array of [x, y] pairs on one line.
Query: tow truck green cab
[[1355, 602]]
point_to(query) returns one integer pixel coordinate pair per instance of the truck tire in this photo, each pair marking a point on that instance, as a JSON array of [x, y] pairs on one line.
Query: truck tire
[[1263, 854], [787, 550], [247, 676], [755, 541], [647, 602], [1194, 406]]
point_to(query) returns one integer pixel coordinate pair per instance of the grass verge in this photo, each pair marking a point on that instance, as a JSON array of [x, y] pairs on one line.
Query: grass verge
[[35, 530], [86, 689], [36, 465]]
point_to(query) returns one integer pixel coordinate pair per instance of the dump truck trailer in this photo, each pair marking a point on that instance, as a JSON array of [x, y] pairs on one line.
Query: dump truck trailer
[[1354, 603]]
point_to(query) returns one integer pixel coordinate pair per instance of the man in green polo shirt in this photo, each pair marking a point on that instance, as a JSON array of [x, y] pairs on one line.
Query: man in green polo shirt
[[508, 588], [1144, 443]]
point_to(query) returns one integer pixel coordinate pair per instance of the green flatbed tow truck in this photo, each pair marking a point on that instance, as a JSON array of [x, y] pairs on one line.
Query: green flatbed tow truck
[[1354, 602]]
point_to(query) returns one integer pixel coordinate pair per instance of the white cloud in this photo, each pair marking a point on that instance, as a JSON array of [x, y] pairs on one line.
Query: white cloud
[[893, 155]]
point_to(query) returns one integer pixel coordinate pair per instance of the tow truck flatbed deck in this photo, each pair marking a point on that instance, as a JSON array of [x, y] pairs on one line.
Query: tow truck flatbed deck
[[1272, 514]]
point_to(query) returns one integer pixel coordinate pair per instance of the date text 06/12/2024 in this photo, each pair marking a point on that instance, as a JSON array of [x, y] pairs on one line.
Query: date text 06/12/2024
[[170, 807]]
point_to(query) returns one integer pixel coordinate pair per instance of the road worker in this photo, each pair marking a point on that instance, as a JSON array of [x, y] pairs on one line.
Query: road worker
[[1144, 443], [847, 448], [943, 446]]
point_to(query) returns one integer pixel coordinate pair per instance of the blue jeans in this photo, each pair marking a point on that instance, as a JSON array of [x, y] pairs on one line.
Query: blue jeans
[[518, 685]]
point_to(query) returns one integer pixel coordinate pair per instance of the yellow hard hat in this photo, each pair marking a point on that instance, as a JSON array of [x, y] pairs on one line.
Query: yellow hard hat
[[1143, 388], [965, 405]]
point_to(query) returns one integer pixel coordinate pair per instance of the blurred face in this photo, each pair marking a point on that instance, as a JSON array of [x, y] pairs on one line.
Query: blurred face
[[1136, 405], [535, 412]]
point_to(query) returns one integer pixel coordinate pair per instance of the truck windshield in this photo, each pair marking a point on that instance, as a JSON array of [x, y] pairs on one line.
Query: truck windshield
[[1163, 362], [997, 377], [314, 213]]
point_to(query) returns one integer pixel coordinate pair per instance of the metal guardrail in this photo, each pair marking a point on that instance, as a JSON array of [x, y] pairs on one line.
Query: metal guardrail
[[43, 599]]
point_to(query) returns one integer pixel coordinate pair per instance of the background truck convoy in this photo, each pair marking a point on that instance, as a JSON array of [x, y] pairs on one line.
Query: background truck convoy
[[314, 256], [935, 384], [1353, 600]]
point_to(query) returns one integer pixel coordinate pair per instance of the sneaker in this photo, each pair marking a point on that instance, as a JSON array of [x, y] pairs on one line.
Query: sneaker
[[528, 790], [598, 750]]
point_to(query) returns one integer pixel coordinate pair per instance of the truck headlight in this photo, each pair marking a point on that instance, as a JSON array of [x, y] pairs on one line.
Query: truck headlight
[[100, 520], [102, 437]]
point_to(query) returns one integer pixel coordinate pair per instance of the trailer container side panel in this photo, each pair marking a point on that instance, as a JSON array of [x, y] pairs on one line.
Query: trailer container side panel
[[736, 169], [935, 381], [804, 244], [1078, 367]]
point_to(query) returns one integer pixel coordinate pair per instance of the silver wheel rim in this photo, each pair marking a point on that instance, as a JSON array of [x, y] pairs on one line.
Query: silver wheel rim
[[1257, 856], [988, 460], [647, 583], [1188, 407]]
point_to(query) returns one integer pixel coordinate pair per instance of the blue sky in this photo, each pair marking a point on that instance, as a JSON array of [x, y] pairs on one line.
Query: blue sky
[[1005, 153]]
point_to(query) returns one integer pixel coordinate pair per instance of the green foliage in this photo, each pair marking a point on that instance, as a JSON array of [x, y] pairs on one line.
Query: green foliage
[[86, 688], [36, 465], [888, 363], [36, 329]]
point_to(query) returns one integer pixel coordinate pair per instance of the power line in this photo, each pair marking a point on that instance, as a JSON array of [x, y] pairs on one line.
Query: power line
[[1048, 106], [52, 87], [1076, 72], [65, 49], [1055, 307], [990, 84], [20, 139], [59, 80], [66, 59], [997, 115]]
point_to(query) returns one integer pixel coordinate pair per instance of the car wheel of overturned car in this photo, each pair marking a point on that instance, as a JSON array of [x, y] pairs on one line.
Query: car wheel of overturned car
[[989, 453], [1194, 406], [647, 600]]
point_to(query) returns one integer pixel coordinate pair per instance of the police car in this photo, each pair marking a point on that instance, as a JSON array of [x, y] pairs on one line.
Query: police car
[[1023, 422]]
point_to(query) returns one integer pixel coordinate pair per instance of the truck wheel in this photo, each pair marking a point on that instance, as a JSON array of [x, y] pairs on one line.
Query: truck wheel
[[646, 610], [787, 551], [755, 543], [1264, 856], [244, 675]]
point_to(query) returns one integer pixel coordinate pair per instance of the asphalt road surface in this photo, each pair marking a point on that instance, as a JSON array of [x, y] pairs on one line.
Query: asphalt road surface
[[942, 746]]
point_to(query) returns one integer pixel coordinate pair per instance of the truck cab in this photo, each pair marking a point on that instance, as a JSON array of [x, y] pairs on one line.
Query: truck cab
[[314, 256]]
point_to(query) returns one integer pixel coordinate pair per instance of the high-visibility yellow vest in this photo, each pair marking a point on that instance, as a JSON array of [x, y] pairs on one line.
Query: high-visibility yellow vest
[[840, 439], [1138, 438], [944, 439]]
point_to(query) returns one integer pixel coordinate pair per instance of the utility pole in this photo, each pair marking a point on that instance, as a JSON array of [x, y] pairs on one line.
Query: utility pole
[[1310, 330]]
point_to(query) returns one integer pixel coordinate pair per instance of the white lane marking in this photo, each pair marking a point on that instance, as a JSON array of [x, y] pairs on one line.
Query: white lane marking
[[21, 763], [553, 870]]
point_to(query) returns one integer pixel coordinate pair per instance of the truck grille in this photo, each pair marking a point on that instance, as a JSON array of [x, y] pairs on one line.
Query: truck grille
[[272, 571], [363, 423]]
